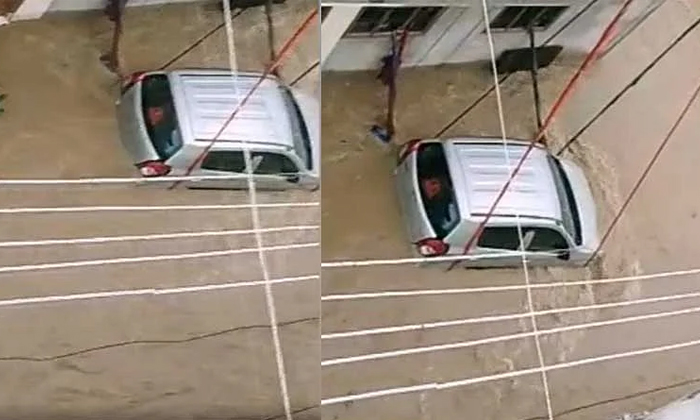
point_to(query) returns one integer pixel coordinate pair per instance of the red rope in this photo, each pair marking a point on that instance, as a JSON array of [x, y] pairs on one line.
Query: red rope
[[284, 51], [565, 94], [646, 171]]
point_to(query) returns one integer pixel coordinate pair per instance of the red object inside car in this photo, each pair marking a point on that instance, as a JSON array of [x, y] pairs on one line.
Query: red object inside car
[[431, 187], [155, 115]]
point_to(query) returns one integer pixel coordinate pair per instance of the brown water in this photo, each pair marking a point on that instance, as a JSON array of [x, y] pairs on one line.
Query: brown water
[[657, 233], [59, 123]]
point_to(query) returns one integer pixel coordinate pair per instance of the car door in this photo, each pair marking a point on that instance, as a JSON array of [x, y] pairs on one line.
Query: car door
[[271, 170], [275, 171], [221, 163], [547, 246], [498, 246]]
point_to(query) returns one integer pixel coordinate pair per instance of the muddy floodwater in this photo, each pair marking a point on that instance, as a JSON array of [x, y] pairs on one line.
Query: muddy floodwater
[[185, 355], [361, 220]]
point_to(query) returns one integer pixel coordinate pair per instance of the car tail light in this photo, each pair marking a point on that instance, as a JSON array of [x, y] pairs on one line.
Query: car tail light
[[132, 80], [153, 168], [408, 148], [432, 247]]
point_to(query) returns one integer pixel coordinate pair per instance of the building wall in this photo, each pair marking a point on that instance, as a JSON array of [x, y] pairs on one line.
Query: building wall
[[76, 5], [458, 34], [35, 9]]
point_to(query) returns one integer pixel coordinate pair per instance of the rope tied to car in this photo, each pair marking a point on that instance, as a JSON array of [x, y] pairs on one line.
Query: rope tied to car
[[114, 10], [284, 51], [387, 75]]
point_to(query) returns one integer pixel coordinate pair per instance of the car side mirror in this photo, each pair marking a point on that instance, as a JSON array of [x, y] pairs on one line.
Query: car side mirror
[[294, 178], [564, 255]]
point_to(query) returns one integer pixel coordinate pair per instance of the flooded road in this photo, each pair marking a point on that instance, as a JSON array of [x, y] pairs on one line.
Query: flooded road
[[177, 355], [361, 220]]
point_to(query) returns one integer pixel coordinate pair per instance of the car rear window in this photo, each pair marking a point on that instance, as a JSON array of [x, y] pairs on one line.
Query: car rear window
[[300, 132], [436, 189], [569, 210], [264, 163], [159, 115]]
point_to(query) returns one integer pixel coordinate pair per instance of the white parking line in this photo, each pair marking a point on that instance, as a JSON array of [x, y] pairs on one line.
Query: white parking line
[[145, 292], [157, 236], [21, 210], [131, 260]]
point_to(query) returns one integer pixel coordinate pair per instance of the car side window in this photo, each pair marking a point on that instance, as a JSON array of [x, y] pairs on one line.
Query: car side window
[[545, 240], [506, 237], [500, 237], [264, 163], [225, 161]]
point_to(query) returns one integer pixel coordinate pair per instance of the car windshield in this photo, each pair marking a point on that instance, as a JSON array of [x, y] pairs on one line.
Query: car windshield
[[159, 115], [300, 132], [436, 190], [567, 201]]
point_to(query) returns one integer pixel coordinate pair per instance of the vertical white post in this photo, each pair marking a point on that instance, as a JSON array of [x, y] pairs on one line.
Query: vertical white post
[[334, 26], [31, 9]]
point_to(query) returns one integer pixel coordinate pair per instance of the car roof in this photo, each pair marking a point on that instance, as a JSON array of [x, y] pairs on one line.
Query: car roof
[[205, 100], [479, 170]]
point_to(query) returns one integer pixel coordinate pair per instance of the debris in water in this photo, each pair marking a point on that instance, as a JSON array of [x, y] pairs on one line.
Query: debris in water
[[381, 134]]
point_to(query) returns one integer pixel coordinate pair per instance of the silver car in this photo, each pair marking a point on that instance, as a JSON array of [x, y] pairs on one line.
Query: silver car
[[446, 188], [684, 408], [168, 121]]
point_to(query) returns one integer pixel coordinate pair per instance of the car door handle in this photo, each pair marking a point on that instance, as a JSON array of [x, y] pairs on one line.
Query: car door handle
[[294, 179]]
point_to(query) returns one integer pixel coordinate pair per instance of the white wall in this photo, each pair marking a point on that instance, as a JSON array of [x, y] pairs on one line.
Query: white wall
[[35, 9], [334, 26], [458, 35], [359, 53]]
